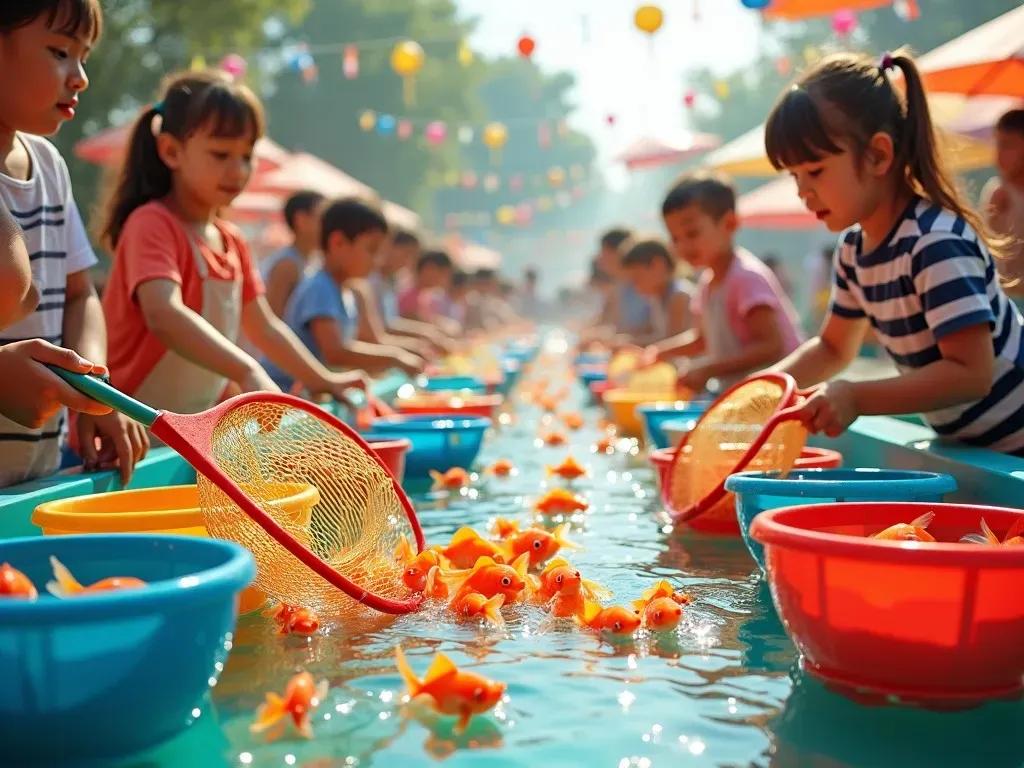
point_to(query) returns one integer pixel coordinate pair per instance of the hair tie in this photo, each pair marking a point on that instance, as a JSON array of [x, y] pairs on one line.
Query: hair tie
[[887, 64], [158, 107]]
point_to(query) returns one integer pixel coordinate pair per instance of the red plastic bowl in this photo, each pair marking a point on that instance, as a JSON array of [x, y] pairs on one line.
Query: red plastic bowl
[[928, 623], [392, 453], [598, 388], [467, 405], [810, 458]]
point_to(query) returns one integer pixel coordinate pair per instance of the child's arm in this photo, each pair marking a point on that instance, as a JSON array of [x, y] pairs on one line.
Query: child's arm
[[371, 326], [687, 344], [373, 358], [402, 326], [18, 294], [679, 320], [281, 283]]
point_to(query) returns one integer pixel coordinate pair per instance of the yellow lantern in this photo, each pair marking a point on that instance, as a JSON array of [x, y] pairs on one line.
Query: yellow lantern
[[451, 178], [465, 54], [407, 59], [722, 89], [545, 203], [368, 120], [495, 138], [649, 18], [506, 215], [556, 177]]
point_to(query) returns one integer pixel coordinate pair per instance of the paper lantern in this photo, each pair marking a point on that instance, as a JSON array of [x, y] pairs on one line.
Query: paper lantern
[[368, 120], [234, 65], [811, 54], [451, 178], [495, 138], [648, 19], [516, 182], [526, 46], [468, 180], [844, 22], [407, 59], [543, 135], [690, 98], [198, 63], [756, 5], [491, 182], [465, 54], [722, 89], [610, 119], [350, 62], [545, 204], [310, 71], [465, 135], [556, 176], [907, 10], [524, 213], [436, 132], [386, 125], [506, 215], [404, 129], [576, 172], [784, 65]]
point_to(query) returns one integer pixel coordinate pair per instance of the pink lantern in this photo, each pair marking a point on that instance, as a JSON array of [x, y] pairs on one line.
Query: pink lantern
[[436, 132], [234, 65], [543, 135], [524, 213], [844, 22], [468, 180], [404, 129], [610, 119], [350, 62], [690, 98], [516, 182]]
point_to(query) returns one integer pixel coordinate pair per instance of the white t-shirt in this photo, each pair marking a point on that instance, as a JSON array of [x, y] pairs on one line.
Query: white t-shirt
[[58, 246]]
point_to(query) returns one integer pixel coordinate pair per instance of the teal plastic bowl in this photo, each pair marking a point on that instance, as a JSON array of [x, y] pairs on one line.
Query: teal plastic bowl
[[97, 678], [757, 492], [655, 415]]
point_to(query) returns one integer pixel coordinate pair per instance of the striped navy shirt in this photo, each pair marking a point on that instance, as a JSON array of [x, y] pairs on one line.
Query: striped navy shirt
[[930, 278]]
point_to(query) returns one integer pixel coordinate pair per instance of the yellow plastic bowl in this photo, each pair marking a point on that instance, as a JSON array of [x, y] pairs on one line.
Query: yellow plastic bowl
[[621, 405], [170, 510]]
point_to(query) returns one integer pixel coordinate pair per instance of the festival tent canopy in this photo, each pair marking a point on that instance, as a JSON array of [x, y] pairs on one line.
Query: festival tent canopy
[[776, 205], [651, 152]]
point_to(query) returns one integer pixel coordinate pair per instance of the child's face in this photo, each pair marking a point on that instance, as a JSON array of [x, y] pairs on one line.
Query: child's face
[[610, 260], [353, 258], [41, 74], [307, 227], [699, 239], [213, 169], [1010, 155], [649, 279], [395, 258]]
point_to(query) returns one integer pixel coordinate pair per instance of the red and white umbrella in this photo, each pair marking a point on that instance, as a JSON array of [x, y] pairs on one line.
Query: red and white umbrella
[[776, 205], [651, 152]]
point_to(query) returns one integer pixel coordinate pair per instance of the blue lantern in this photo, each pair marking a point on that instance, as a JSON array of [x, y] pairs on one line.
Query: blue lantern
[[386, 125], [756, 5]]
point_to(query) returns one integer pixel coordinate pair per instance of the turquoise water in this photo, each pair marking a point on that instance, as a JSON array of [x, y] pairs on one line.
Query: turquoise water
[[725, 690]]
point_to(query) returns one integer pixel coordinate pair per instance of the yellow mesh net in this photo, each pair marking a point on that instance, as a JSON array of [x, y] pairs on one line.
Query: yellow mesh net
[[355, 524], [721, 438], [657, 379], [621, 366]]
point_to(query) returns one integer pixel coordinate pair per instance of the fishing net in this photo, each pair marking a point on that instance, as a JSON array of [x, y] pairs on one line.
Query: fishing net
[[657, 379]]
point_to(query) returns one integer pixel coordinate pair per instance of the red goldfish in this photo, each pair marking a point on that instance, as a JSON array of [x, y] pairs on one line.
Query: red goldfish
[[605, 445], [293, 620], [301, 697], [452, 480], [662, 614], [502, 527], [15, 584], [559, 501], [618, 620], [66, 585], [662, 589], [569, 469], [475, 605], [501, 468], [539, 544], [489, 578], [467, 546], [554, 439], [544, 586], [912, 531], [572, 421], [1013, 537], [548, 403], [451, 690], [568, 601], [435, 587], [414, 575]]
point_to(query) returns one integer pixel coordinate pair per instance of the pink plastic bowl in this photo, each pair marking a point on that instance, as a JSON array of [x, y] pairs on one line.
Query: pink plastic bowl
[[392, 453], [928, 623]]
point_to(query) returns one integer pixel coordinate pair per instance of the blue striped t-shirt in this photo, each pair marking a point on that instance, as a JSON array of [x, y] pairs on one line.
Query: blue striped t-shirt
[[930, 278]]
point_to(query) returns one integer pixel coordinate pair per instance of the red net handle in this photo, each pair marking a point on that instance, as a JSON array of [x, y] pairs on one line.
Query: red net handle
[[789, 406], [192, 436]]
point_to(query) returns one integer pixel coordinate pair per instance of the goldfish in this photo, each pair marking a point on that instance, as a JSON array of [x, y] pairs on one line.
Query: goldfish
[[15, 584], [467, 546], [434, 587], [293, 620], [618, 619], [489, 578], [559, 501], [1013, 537], [662, 614], [451, 691], [501, 468], [475, 605], [605, 445], [547, 403], [539, 544], [568, 601], [66, 585], [452, 480], [572, 421], [569, 469], [554, 439], [545, 585], [414, 576], [912, 531], [502, 527], [301, 697], [662, 589]]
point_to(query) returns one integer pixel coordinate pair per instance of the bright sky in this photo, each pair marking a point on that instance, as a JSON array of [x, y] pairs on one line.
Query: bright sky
[[615, 72]]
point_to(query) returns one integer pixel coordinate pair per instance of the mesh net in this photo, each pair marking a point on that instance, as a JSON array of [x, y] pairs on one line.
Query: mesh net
[[656, 379], [355, 524], [621, 366], [718, 442]]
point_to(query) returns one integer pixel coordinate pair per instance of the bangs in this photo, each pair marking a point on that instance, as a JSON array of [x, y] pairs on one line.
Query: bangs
[[796, 132], [227, 112], [80, 19]]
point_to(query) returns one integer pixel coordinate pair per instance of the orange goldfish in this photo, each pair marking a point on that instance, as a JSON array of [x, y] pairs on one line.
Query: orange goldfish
[[569, 469], [568, 601], [501, 468], [547, 403], [434, 587], [489, 578], [539, 544], [467, 546], [451, 690], [502, 527], [618, 620], [554, 439], [414, 576], [605, 445], [293, 620], [559, 501], [988, 537], [301, 697], [662, 589], [572, 421], [452, 480], [912, 531], [475, 605], [662, 614], [545, 585], [66, 585], [15, 584]]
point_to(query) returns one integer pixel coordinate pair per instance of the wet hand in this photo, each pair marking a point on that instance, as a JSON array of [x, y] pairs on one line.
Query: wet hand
[[830, 409], [123, 443]]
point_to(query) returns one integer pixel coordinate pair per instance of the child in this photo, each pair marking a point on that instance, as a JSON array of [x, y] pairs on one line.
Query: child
[[283, 270], [628, 312], [322, 312], [912, 260], [1003, 200], [43, 47], [651, 271], [743, 320], [183, 288], [426, 300]]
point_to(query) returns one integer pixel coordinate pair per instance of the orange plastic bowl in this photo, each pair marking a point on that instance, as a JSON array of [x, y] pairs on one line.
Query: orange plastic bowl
[[392, 452], [461, 405], [927, 623]]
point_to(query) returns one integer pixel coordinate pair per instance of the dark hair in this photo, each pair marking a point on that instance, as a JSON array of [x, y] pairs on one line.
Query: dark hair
[[598, 275], [405, 237], [849, 98], [646, 252], [70, 17], [530, 275], [1012, 121], [352, 216], [190, 102], [615, 237], [305, 201], [460, 279], [483, 275], [713, 193], [435, 257]]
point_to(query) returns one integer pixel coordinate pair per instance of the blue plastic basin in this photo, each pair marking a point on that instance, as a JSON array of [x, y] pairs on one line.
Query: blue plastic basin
[[588, 376], [452, 384], [100, 677], [760, 491], [438, 443], [656, 415]]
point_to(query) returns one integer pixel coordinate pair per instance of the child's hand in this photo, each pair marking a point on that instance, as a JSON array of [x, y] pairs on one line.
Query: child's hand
[[650, 356], [30, 393], [694, 378], [831, 408], [411, 364], [123, 443], [257, 380], [337, 385]]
